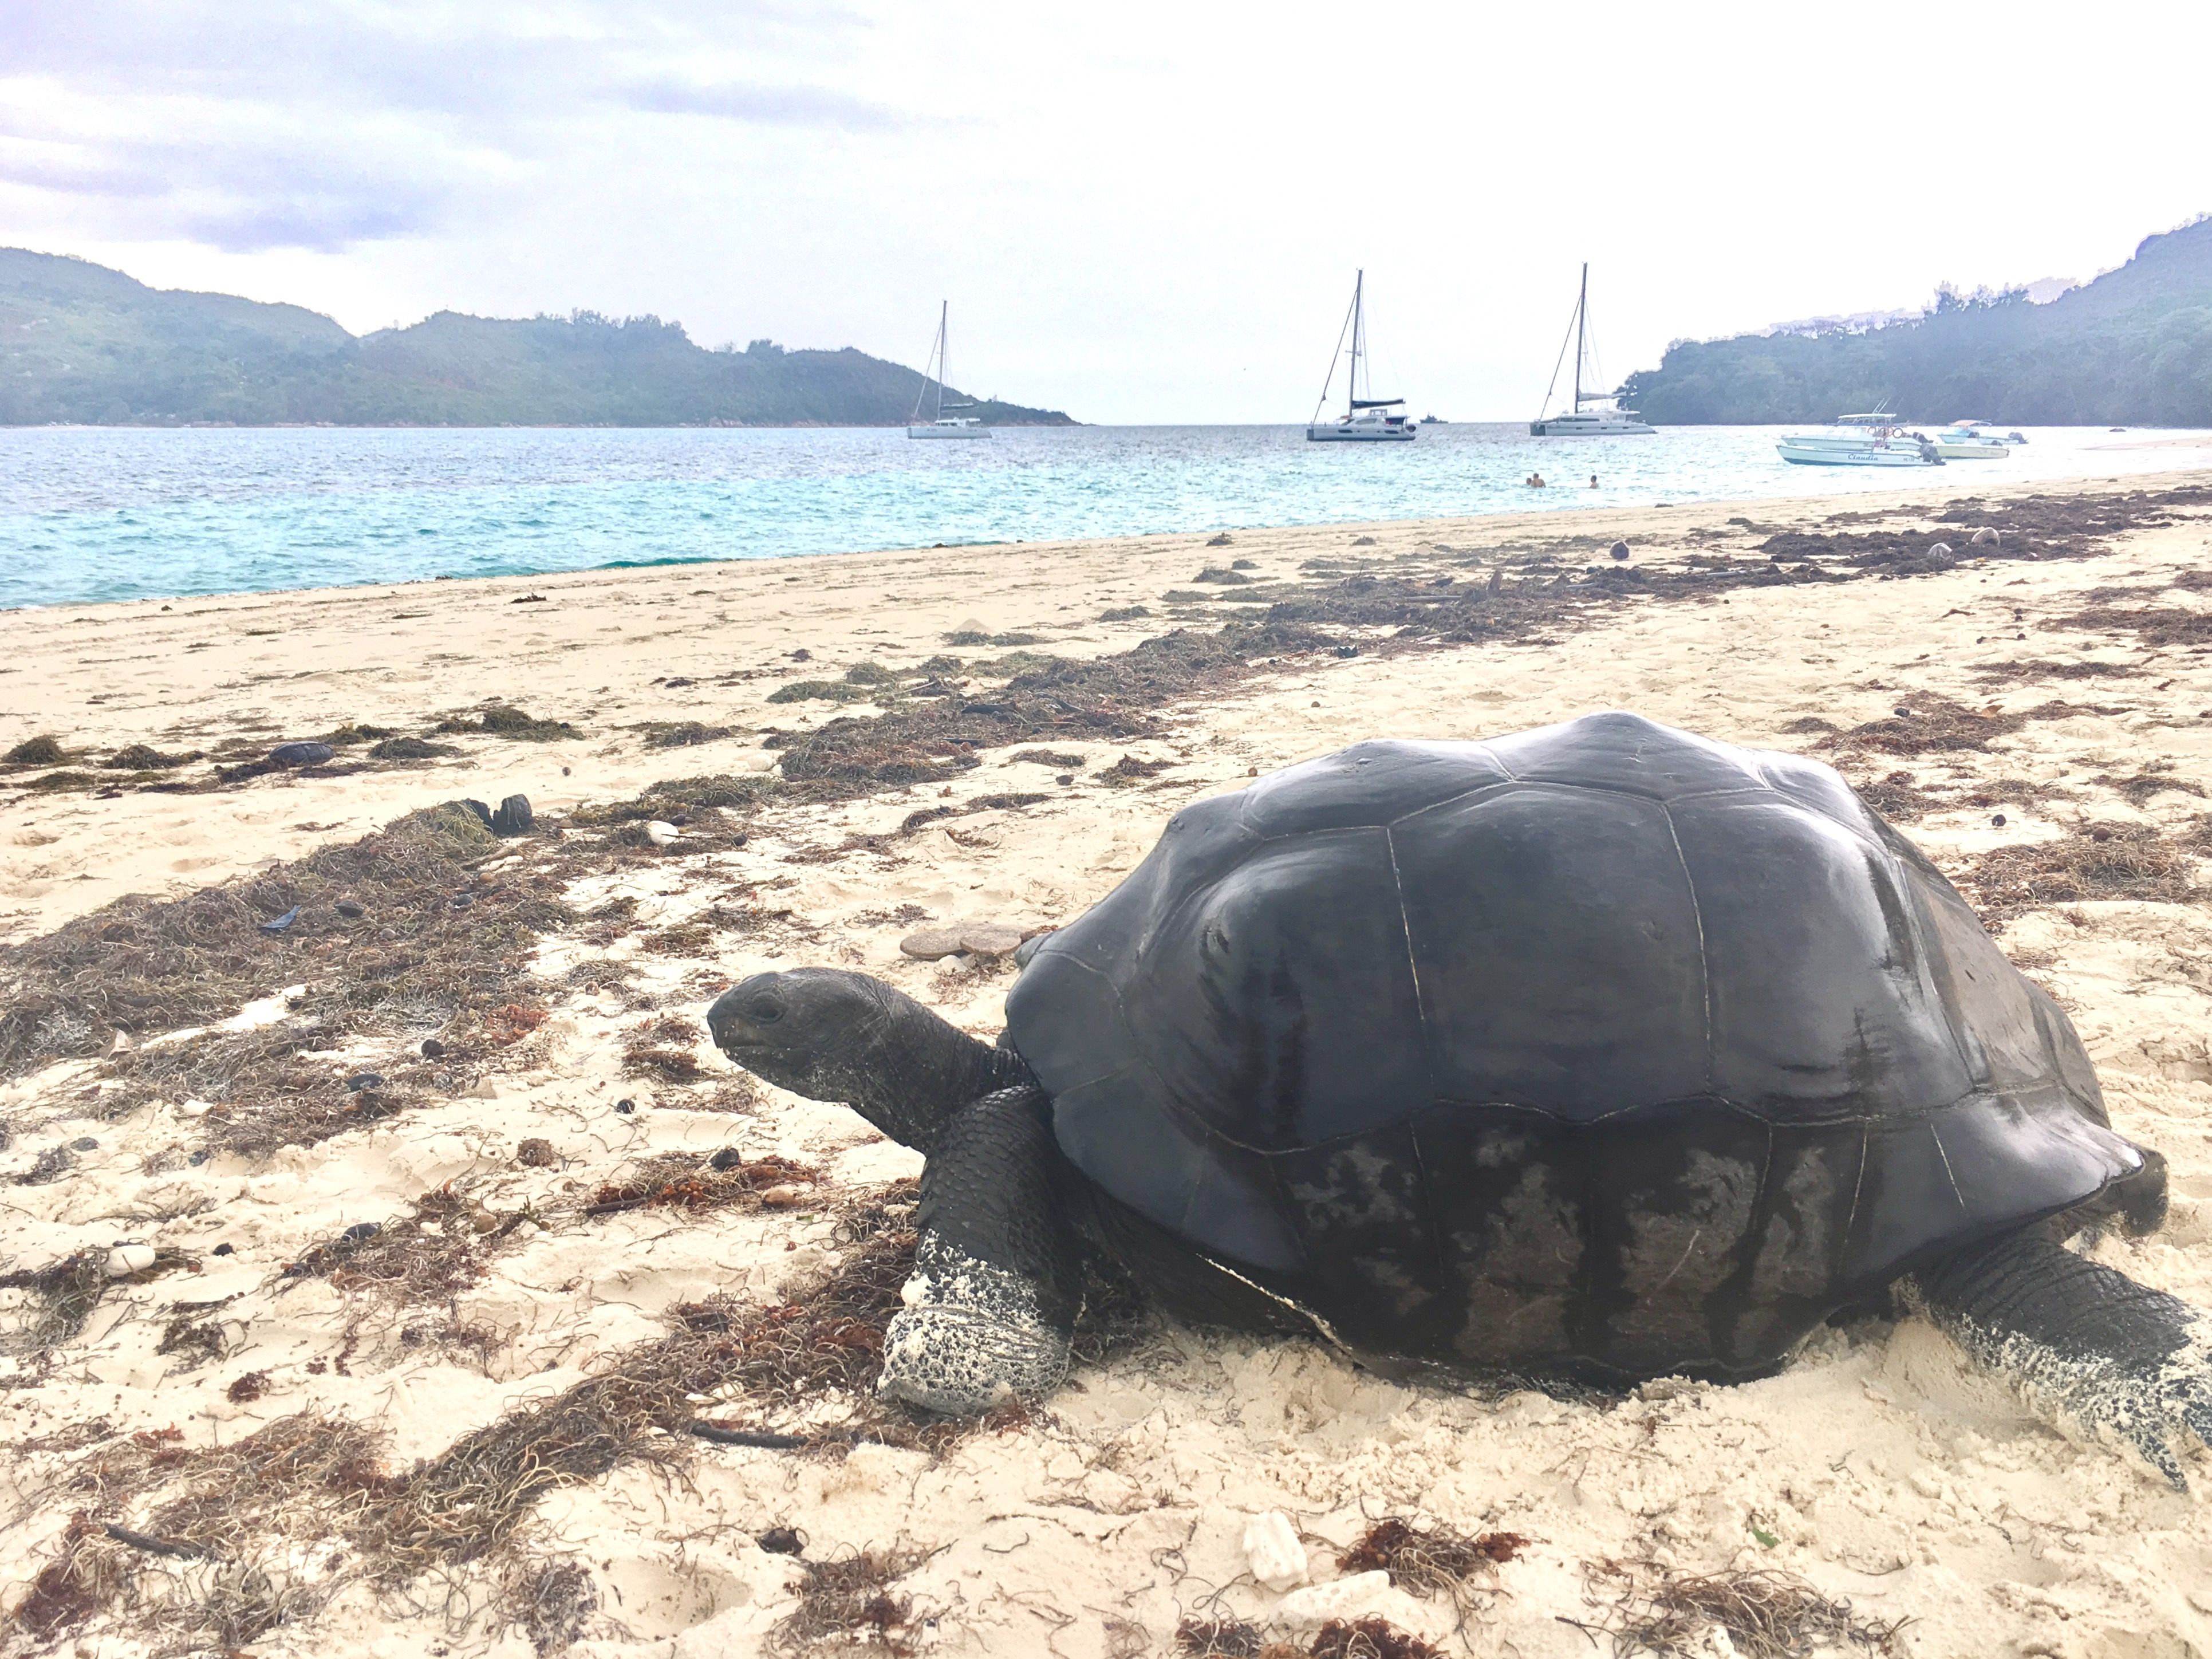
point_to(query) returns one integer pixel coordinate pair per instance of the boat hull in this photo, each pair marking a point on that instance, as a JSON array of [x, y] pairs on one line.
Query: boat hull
[[1825, 455], [1587, 429], [1337, 434], [948, 431], [1973, 452]]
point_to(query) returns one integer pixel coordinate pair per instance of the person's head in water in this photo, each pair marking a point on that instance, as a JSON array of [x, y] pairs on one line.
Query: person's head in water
[[1593, 481]]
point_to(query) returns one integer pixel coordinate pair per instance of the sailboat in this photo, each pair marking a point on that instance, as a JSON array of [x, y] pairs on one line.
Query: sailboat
[[1605, 418], [940, 424], [1364, 420]]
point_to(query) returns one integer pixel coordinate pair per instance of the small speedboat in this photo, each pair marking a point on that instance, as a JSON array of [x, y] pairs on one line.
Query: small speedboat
[[1970, 442], [1867, 446]]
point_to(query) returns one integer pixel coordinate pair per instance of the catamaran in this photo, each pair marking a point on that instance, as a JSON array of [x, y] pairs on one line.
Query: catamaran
[[1364, 420], [1605, 419], [940, 424]]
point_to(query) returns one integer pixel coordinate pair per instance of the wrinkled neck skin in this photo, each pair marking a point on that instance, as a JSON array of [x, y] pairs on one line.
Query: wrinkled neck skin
[[906, 1071]]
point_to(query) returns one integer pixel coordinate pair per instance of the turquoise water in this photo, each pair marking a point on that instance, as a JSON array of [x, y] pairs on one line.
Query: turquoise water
[[92, 514]]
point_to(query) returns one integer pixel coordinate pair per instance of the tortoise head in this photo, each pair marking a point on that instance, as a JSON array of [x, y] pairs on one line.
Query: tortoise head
[[831, 1034], [805, 1030]]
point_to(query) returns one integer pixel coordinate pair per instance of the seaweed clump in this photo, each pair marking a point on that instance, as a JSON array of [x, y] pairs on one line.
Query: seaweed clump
[[505, 721], [1652, 1608], [2093, 861], [1116, 696]]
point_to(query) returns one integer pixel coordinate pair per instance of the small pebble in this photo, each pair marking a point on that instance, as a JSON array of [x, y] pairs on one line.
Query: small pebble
[[1902, 713], [728, 1159], [662, 835], [360, 1080], [1065, 778], [350, 908], [785, 1197], [1347, 650], [84, 1143], [781, 1541], [1621, 549], [127, 1259], [432, 1049], [462, 901], [360, 1233], [1996, 820], [626, 1107], [535, 1153], [224, 1250], [198, 1158], [301, 754]]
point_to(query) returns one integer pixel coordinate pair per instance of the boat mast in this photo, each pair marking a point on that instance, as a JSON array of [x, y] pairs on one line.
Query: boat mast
[[1358, 328], [1581, 306], [944, 340]]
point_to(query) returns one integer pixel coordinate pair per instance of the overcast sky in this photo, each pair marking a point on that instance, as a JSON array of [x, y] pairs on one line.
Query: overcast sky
[[1141, 211]]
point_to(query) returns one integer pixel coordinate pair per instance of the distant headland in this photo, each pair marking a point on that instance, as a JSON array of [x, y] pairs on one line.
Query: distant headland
[[2133, 348], [85, 345]]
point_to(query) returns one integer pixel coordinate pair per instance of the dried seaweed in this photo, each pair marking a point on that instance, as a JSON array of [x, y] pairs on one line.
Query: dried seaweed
[[1222, 1636], [682, 734], [145, 966], [1431, 1560], [683, 1180], [847, 1604], [505, 721], [1115, 696], [2092, 861], [1648, 1608]]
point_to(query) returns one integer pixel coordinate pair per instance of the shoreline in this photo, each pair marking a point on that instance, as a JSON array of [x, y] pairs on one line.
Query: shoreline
[[544, 1216], [598, 649], [468, 502]]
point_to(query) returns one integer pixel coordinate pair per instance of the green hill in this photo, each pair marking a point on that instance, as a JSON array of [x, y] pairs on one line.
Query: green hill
[[84, 344], [2133, 348]]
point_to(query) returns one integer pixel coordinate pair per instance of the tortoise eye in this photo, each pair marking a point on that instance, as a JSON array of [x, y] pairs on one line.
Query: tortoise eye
[[766, 1011]]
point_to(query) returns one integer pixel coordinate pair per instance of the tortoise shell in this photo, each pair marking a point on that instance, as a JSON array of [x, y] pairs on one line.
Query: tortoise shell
[[1602, 1047]]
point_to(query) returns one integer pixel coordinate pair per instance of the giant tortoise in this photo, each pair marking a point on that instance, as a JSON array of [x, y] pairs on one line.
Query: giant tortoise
[[1601, 1051]]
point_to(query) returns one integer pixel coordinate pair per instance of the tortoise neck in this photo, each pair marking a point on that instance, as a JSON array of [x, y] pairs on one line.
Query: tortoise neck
[[914, 1070]]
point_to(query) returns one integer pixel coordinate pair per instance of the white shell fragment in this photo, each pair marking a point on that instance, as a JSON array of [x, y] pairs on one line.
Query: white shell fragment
[[1353, 1597], [127, 1259], [1272, 1550]]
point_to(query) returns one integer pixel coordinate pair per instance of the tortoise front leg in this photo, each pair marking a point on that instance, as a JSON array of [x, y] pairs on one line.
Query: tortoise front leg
[[997, 1282], [2081, 1340]]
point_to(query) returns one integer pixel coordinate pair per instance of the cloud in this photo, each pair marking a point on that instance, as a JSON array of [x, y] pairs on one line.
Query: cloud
[[255, 124], [768, 105]]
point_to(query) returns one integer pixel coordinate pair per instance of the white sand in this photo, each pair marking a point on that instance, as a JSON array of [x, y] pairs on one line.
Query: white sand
[[1886, 1470]]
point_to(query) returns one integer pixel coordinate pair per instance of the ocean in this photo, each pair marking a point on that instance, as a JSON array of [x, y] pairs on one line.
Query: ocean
[[97, 514]]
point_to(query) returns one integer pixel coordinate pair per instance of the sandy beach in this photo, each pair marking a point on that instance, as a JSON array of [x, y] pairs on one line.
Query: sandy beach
[[329, 1441]]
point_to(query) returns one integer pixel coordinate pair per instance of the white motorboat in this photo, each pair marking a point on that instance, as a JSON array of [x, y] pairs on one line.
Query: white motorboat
[[1605, 417], [1869, 446], [1971, 440], [940, 424], [1365, 420]]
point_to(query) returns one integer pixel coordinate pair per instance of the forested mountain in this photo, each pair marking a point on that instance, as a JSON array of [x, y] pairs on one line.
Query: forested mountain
[[2133, 348], [79, 342]]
